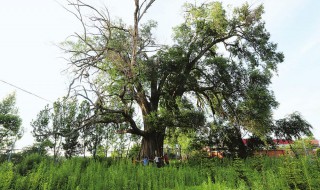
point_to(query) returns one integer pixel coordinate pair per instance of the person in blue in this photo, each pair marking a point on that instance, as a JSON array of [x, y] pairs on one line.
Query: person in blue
[[145, 161]]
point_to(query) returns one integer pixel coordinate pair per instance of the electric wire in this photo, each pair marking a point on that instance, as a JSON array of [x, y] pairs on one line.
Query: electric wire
[[26, 91]]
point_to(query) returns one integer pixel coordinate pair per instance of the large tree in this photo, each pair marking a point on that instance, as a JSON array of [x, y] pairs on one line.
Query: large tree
[[220, 63]]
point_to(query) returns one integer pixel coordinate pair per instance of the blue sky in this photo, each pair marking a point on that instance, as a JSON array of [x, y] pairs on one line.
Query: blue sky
[[295, 27], [30, 60]]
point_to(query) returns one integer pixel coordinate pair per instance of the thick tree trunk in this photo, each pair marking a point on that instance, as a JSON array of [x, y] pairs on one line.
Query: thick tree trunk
[[242, 152], [152, 145], [242, 149]]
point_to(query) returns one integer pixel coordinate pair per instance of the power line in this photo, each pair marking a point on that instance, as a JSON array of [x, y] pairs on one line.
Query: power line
[[25, 91]]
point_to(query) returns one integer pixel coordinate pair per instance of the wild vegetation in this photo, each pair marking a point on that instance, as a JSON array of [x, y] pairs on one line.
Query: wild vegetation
[[38, 172], [131, 94]]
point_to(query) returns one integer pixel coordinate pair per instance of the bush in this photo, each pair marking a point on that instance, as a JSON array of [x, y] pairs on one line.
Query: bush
[[28, 164], [6, 175], [3, 158], [318, 152], [37, 172]]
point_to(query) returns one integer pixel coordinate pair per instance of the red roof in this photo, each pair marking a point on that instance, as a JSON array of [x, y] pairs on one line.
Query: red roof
[[283, 142], [276, 141], [315, 142]]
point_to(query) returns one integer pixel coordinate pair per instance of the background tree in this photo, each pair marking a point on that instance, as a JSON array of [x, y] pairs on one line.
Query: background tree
[[95, 135], [220, 64], [84, 113], [108, 141], [46, 129], [68, 115], [57, 128], [303, 146], [221, 135], [294, 126], [54, 128], [291, 128], [184, 139], [42, 131], [10, 122]]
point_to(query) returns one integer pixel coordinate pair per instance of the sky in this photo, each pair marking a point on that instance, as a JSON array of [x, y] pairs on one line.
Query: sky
[[30, 58]]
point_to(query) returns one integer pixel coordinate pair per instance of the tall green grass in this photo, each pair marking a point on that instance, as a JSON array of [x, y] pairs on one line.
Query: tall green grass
[[36, 172], [79, 173]]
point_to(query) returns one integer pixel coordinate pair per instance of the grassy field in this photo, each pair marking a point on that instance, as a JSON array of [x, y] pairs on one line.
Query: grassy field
[[36, 172]]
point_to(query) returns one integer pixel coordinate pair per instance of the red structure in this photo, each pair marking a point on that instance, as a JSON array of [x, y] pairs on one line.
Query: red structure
[[279, 151], [280, 143]]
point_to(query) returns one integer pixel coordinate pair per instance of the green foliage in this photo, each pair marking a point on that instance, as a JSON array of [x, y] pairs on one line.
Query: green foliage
[[45, 130], [318, 152], [198, 173], [302, 146], [241, 171], [10, 122], [29, 163], [294, 175], [293, 126], [81, 173], [6, 175], [221, 134], [7, 105], [62, 127], [68, 111], [36, 148], [134, 151], [176, 85]]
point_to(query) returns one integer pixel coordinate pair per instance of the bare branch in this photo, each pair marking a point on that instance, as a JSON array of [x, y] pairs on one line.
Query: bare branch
[[145, 9]]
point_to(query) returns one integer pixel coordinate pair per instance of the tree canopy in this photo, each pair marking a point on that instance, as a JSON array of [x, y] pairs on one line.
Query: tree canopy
[[294, 126], [56, 129], [10, 122], [223, 135], [220, 65]]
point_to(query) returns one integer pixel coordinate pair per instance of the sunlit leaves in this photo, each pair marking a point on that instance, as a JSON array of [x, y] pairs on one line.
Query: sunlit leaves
[[7, 105], [207, 18]]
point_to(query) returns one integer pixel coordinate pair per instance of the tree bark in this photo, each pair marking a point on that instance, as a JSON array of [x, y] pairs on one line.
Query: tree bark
[[152, 145], [242, 149]]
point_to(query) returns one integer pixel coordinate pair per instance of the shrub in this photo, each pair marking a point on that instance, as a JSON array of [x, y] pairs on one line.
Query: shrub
[[318, 152], [6, 175], [199, 173], [29, 163]]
